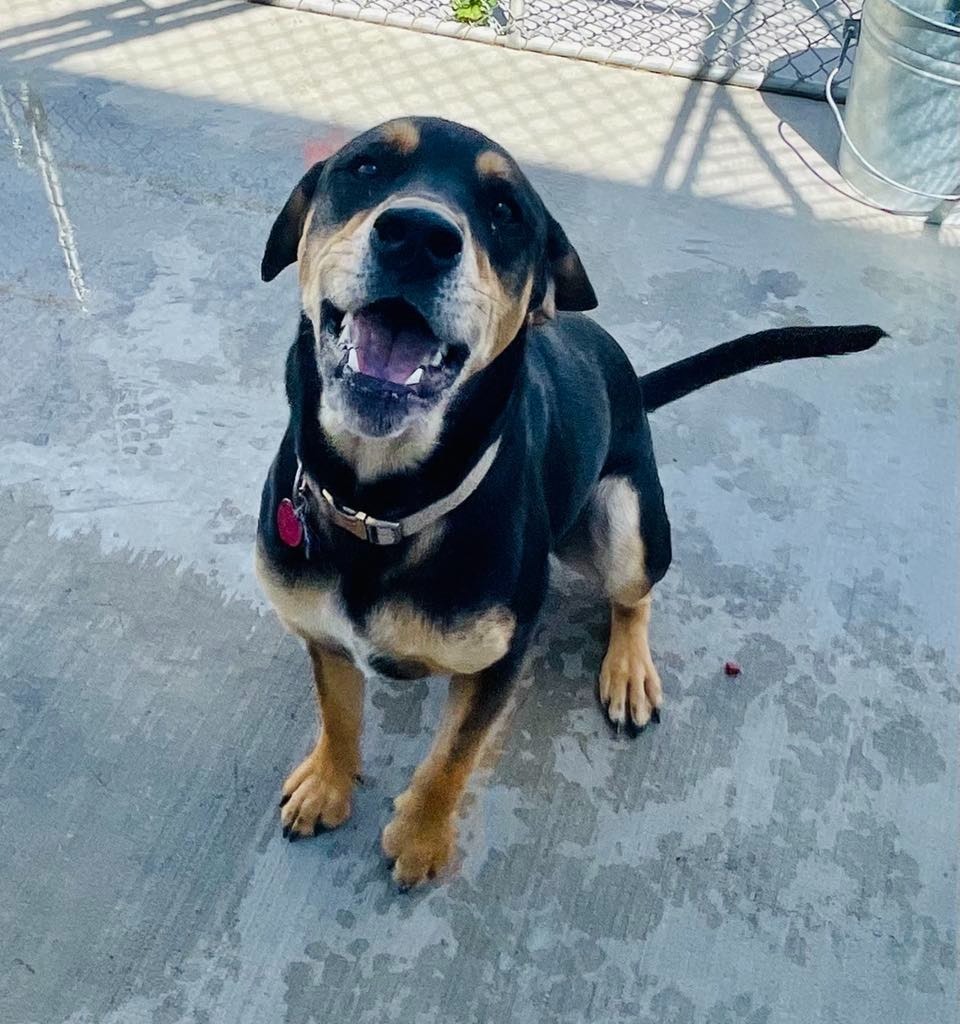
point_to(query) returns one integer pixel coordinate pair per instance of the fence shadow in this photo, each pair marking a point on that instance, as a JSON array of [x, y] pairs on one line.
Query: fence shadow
[[98, 27]]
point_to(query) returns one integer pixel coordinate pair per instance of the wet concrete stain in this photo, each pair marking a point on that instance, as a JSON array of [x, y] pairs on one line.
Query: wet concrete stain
[[105, 709], [682, 299], [908, 750]]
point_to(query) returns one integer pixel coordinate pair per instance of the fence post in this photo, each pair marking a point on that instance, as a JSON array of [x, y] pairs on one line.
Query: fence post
[[514, 33]]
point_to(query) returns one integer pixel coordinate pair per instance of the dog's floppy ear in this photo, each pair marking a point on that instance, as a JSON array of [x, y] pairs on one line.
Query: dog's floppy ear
[[285, 234], [571, 286]]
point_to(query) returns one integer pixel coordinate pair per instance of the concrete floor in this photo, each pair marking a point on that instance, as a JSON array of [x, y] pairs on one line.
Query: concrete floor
[[782, 850]]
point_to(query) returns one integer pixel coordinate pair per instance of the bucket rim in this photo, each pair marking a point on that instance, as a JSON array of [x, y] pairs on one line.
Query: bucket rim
[[941, 26]]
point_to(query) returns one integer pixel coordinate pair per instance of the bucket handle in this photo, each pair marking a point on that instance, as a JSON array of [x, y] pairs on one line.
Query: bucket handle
[[851, 32]]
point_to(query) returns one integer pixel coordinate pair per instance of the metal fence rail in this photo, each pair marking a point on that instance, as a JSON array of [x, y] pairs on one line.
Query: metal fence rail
[[784, 45]]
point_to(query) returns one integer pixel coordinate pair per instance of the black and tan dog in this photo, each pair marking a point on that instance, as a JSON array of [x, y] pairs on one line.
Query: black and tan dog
[[452, 423]]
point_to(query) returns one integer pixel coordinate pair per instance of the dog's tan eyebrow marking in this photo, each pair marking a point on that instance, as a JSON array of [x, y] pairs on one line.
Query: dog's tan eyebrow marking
[[402, 135], [491, 164]]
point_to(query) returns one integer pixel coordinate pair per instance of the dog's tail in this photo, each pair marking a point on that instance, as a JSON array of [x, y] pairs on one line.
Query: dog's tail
[[678, 379]]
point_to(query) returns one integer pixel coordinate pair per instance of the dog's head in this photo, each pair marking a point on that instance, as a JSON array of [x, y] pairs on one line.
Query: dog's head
[[422, 251]]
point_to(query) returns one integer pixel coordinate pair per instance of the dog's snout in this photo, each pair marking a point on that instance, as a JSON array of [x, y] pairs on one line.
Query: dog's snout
[[420, 240]]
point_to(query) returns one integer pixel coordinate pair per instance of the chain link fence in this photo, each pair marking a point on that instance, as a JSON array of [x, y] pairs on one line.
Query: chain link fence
[[783, 45]]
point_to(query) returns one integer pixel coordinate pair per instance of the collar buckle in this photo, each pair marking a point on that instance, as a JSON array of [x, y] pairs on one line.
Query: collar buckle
[[364, 527], [382, 532]]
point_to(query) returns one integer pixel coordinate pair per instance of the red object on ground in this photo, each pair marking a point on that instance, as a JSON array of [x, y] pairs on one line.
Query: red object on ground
[[731, 668]]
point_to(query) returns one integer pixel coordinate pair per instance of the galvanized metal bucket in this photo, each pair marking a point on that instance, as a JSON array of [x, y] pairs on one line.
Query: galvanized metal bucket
[[903, 109]]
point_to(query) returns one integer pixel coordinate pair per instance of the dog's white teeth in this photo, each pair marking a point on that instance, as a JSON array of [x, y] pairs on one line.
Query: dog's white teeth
[[437, 358], [352, 361], [414, 377]]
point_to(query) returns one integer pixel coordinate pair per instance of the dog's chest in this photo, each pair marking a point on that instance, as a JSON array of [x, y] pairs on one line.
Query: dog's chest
[[393, 630]]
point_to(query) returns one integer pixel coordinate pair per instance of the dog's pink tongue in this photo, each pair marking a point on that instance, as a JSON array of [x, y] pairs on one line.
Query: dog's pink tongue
[[385, 353]]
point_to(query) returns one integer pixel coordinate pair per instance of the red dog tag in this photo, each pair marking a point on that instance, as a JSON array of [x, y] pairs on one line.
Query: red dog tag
[[288, 524]]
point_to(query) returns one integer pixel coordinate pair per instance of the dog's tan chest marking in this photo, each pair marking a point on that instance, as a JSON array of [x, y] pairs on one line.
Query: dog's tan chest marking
[[394, 629], [465, 645]]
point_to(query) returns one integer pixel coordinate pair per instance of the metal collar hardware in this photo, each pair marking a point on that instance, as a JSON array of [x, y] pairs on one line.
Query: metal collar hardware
[[366, 527], [383, 532]]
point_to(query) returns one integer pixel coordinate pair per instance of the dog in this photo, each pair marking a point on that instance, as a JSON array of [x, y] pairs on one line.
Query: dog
[[454, 420]]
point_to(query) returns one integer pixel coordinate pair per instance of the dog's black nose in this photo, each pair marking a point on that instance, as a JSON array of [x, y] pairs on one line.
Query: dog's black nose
[[416, 240]]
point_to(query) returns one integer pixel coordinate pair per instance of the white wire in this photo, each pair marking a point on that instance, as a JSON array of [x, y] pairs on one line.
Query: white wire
[[866, 163]]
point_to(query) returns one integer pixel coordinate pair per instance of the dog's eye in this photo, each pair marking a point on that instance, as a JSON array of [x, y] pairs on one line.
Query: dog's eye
[[365, 167], [504, 212]]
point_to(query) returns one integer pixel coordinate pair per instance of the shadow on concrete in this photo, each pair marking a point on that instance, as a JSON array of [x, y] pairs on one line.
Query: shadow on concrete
[[44, 42], [806, 120], [48, 40]]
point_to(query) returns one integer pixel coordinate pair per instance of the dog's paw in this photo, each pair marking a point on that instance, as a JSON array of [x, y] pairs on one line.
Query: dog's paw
[[316, 797], [419, 847], [630, 689]]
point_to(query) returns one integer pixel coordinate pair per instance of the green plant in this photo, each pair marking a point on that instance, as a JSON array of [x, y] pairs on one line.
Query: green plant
[[472, 12]]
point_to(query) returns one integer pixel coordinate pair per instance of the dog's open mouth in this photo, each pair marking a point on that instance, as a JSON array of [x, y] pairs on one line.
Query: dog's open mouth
[[389, 347]]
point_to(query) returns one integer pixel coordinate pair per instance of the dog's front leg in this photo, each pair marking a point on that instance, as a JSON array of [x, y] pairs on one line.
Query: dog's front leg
[[317, 793], [421, 838]]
